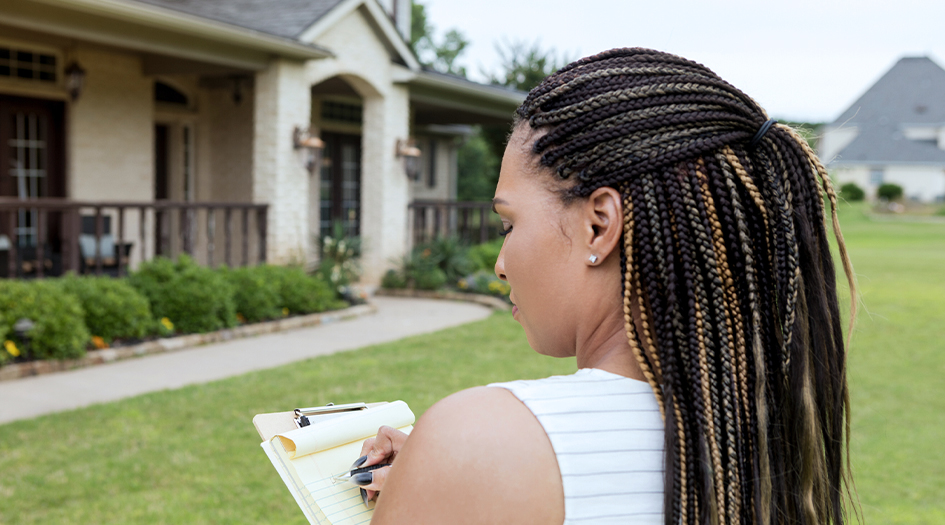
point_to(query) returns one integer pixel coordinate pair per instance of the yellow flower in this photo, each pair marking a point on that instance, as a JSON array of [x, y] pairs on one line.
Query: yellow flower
[[98, 342], [285, 312], [167, 323], [462, 284], [11, 348]]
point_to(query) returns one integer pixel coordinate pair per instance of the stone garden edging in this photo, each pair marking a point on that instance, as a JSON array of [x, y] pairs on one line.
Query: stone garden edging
[[486, 300], [183, 342]]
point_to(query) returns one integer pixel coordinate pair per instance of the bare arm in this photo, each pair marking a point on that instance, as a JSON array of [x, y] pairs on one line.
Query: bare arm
[[478, 456]]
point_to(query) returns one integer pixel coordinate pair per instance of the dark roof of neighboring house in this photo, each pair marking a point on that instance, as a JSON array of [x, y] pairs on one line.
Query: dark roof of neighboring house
[[284, 18], [911, 93]]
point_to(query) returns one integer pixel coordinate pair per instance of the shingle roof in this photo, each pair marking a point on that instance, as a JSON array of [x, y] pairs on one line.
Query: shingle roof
[[911, 93], [284, 18]]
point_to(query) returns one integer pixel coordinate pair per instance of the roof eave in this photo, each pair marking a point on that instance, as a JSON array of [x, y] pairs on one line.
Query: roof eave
[[467, 87], [166, 19]]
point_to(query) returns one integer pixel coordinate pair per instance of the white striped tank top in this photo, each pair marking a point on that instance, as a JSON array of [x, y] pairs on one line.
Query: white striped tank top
[[607, 435]]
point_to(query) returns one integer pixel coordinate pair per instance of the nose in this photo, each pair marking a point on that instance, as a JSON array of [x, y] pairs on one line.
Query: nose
[[500, 264]]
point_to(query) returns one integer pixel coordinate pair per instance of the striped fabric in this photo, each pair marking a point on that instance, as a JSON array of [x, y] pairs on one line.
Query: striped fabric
[[607, 434]]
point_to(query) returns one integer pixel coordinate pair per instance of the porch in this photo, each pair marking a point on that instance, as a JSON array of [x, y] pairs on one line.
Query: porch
[[49, 237], [471, 222]]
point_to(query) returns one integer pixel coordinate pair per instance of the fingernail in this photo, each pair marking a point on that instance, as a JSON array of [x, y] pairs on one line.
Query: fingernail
[[360, 461], [364, 498], [363, 479]]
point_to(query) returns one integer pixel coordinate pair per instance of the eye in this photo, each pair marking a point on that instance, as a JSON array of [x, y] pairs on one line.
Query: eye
[[505, 232]]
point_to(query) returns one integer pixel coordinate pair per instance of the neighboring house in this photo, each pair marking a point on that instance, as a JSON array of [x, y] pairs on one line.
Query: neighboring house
[[894, 133], [167, 107]]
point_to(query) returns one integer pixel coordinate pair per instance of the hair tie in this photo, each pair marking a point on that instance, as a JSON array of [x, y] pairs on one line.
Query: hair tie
[[761, 132]]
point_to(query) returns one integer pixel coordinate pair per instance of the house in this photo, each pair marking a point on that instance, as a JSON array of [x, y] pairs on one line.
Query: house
[[235, 130], [894, 133]]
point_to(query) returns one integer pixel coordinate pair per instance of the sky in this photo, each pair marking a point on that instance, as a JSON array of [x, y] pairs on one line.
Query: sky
[[801, 60]]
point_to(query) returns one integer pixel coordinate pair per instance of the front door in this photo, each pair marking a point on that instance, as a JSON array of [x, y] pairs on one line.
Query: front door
[[340, 184], [32, 164]]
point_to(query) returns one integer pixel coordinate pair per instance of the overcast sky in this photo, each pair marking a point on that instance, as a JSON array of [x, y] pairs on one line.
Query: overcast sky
[[800, 59]]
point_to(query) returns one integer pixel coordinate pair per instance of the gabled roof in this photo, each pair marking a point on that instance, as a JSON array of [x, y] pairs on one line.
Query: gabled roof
[[285, 18], [911, 93]]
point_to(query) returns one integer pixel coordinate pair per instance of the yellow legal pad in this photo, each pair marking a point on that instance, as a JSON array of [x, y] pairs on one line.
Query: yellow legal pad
[[307, 457]]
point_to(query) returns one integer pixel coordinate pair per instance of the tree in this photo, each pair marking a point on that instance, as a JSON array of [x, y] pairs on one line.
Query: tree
[[525, 65], [440, 56], [478, 170]]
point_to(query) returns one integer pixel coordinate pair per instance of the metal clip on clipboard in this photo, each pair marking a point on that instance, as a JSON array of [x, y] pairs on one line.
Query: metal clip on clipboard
[[302, 414]]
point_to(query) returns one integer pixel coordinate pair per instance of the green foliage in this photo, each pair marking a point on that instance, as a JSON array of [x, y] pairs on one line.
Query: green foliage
[[255, 296], [449, 255], [850, 192], [58, 332], [431, 278], [440, 56], [524, 65], [485, 282], [483, 256], [340, 256], [478, 169], [393, 279], [113, 308], [194, 298], [300, 293], [889, 191]]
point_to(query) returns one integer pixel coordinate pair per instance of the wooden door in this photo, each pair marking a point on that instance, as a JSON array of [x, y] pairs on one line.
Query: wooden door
[[340, 184], [32, 162]]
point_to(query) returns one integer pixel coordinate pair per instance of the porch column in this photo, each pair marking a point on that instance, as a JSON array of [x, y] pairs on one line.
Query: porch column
[[384, 189], [282, 101]]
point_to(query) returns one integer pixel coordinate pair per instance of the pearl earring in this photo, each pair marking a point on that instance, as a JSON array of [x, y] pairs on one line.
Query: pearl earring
[[592, 258]]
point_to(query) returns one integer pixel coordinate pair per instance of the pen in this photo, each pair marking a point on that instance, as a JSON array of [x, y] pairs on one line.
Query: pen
[[350, 475]]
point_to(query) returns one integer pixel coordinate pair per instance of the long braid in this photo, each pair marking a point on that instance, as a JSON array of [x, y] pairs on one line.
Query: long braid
[[729, 295]]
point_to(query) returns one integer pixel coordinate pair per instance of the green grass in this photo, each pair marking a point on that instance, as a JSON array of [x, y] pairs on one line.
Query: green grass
[[191, 455]]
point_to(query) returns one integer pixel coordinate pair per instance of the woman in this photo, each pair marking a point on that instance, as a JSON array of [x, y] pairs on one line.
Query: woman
[[660, 228]]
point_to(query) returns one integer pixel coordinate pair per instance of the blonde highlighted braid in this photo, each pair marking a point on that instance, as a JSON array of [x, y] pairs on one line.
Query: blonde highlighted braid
[[730, 297]]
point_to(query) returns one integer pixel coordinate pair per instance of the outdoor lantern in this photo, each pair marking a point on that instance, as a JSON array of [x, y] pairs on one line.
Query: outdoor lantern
[[308, 138], [75, 80], [411, 155]]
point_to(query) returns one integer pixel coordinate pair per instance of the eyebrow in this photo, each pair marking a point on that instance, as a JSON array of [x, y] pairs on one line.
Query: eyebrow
[[498, 201]]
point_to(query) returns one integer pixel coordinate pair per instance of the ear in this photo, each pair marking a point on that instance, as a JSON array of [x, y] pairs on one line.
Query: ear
[[603, 219]]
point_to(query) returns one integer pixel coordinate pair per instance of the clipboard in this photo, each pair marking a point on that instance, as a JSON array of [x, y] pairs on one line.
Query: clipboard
[[307, 457]]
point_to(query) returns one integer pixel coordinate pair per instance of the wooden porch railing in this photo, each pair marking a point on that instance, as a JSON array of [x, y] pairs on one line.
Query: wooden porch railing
[[54, 230], [472, 222]]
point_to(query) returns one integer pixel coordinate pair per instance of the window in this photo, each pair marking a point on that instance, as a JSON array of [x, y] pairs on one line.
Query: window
[[876, 176], [431, 172], [166, 93], [27, 65], [341, 112]]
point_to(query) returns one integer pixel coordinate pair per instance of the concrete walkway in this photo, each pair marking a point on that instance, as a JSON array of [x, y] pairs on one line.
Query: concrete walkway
[[396, 318]]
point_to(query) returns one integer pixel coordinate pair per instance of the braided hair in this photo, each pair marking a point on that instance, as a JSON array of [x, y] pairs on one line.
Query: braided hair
[[726, 253]]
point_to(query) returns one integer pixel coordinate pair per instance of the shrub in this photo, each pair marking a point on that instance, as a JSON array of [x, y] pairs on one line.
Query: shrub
[[850, 192], [194, 298], [301, 293], [483, 256], [58, 332], [431, 278], [484, 282], [450, 256], [113, 308], [393, 279], [340, 254], [889, 191], [256, 297]]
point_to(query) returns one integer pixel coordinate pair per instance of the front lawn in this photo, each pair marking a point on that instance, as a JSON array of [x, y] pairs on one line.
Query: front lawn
[[192, 456]]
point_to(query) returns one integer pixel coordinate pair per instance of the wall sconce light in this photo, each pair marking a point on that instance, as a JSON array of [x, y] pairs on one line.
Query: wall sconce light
[[411, 154], [75, 80], [308, 138]]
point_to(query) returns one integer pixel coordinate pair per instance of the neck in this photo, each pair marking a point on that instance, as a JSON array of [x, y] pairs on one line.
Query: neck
[[607, 348]]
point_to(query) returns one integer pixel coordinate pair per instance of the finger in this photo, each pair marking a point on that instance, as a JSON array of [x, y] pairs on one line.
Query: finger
[[373, 480], [385, 445], [367, 445]]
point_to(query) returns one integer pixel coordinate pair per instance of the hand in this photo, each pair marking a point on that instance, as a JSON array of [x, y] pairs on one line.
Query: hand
[[381, 449]]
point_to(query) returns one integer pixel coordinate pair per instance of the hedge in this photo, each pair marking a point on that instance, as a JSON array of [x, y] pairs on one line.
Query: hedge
[[113, 308], [58, 332]]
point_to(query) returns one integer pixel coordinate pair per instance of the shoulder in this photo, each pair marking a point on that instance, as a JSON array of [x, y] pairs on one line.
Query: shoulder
[[478, 456]]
